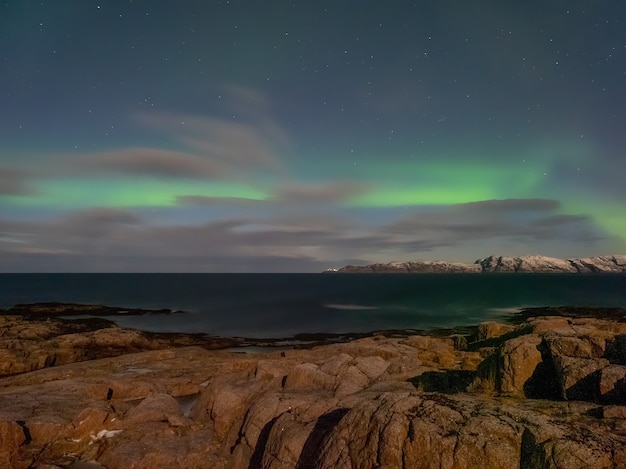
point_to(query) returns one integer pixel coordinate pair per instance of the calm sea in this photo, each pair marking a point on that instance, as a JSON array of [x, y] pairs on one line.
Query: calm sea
[[281, 305]]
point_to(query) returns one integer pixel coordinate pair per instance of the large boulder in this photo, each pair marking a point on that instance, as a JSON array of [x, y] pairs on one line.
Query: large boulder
[[433, 431], [492, 329], [612, 385], [579, 378], [12, 436], [520, 358]]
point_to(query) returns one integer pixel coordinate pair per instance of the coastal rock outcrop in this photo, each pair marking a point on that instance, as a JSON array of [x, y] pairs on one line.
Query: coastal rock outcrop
[[548, 392], [32, 344], [502, 264]]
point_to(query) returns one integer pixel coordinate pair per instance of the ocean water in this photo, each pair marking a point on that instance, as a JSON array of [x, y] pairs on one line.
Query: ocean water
[[281, 305]]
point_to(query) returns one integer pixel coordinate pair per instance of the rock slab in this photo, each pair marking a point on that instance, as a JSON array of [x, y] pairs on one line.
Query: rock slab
[[547, 393]]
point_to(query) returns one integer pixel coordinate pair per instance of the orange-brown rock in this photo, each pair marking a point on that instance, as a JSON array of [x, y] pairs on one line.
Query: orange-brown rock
[[28, 345], [374, 402], [519, 357], [491, 329]]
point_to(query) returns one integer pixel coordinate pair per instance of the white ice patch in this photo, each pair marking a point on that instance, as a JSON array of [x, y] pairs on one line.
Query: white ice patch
[[104, 434]]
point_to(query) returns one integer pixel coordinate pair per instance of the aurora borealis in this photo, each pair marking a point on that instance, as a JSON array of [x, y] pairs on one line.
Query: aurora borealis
[[241, 136]]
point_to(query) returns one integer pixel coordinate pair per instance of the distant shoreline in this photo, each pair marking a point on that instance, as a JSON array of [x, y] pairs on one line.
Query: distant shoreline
[[72, 317], [613, 264]]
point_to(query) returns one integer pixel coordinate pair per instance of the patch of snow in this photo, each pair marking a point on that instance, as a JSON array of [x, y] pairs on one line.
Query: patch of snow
[[104, 434]]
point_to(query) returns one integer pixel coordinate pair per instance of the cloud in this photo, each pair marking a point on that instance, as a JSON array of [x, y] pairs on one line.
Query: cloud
[[115, 239], [100, 217], [335, 191], [76, 233], [496, 219], [15, 181], [561, 220], [147, 162], [506, 205], [577, 228], [245, 146], [55, 262], [316, 240], [229, 143], [217, 201], [246, 141], [285, 196]]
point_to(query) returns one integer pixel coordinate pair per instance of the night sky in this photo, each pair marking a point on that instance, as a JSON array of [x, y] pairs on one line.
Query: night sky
[[280, 136]]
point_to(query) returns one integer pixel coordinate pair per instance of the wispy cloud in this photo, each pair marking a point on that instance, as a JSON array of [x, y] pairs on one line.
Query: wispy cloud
[[509, 205], [98, 222], [284, 196], [15, 181], [308, 240], [531, 220], [243, 143], [218, 201], [241, 146], [245, 139], [333, 191], [151, 162]]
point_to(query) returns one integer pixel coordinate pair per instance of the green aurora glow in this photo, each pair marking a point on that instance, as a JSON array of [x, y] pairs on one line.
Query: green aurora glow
[[331, 135], [129, 193]]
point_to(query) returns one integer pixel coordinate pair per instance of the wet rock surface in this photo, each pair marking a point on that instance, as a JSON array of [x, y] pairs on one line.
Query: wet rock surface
[[549, 392]]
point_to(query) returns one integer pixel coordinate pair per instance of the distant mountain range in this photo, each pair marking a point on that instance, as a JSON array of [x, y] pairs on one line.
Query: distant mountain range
[[503, 264]]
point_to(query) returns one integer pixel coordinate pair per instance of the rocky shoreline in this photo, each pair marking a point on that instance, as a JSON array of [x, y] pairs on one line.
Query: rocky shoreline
[[547, 390]]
